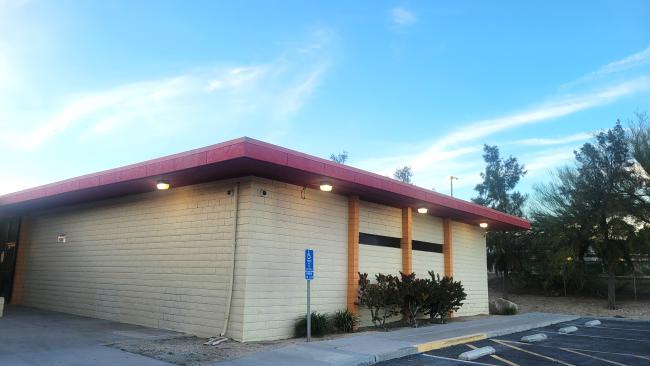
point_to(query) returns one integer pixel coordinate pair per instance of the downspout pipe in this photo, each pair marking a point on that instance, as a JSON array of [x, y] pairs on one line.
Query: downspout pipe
[[226, 318]]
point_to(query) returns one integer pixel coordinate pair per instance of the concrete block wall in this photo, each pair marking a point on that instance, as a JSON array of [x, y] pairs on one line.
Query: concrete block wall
[[287, 221], [470, 266], [379, 220], [162, 259], [159, 259], [429, 229]]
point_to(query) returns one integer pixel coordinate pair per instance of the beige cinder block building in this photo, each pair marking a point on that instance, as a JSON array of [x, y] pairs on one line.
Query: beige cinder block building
[[212, 240]]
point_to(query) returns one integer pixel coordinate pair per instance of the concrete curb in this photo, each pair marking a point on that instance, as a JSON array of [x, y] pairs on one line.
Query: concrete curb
[[453, 341], [372, 348], [613, 318], [448, 342], [523, 328]]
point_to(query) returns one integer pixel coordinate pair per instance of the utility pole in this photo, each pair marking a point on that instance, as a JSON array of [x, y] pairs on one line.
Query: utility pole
[[451, 183]]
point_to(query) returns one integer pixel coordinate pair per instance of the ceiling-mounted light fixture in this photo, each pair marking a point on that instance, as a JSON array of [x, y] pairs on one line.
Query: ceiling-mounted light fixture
[[162, 185], [423, 210], [325, 186], [483, 225]]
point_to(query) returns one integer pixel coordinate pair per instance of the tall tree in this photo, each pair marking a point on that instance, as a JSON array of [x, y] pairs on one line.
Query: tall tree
[[405, 174], [640, 141], [340, 158], [606, 193], [498, 192], [499, 181], [598, 202]]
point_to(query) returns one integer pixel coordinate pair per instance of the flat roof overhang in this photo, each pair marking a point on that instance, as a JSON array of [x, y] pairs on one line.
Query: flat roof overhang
[[250, 157]]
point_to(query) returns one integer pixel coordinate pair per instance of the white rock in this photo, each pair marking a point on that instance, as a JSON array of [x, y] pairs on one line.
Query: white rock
[[502, 306]]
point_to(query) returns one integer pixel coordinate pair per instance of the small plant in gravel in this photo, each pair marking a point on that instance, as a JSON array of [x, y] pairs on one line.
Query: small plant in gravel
[[345, 321], [320, 325]]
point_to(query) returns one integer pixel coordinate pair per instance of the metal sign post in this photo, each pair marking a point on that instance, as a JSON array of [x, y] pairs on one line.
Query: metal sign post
[[309, 275]]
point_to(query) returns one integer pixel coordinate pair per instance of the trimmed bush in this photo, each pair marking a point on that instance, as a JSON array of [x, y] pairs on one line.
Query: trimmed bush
[[345, 321], [320, 325], [380, 298], [446, 296], [413, 295]]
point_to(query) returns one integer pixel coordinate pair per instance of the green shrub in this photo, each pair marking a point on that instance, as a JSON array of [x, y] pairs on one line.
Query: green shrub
[[320, 325], [413, 296], [445, 296], [510, 311], [380, 298], [345, 321]]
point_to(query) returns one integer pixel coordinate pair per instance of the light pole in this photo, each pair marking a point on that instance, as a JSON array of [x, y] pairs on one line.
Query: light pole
[[568, 259], [451, 183]]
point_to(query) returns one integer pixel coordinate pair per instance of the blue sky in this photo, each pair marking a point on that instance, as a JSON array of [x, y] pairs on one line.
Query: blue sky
[[92, 85]]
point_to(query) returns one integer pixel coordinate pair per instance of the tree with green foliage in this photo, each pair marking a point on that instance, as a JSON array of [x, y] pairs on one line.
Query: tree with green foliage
[[497, 191], [596, 205], [640, 142], [405, 174], [340, 158]]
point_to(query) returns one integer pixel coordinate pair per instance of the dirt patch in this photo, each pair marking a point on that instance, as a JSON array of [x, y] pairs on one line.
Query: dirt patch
[[583, 306], [190, 351]]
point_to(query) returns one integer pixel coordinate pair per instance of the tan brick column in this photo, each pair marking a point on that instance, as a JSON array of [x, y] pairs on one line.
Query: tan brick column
[[353, 253], [19, 272], [447, 250], [407, 239]]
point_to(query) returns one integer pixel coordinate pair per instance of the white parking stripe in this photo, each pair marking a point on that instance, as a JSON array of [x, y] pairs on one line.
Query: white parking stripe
[[593, 336], [594, 357], [628, 329], [507, 362], [455, 360], [583, 350], [532, 353]]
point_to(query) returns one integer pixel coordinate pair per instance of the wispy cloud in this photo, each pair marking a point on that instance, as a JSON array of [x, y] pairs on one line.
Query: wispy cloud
[[583, 136], [402, 17], [450, 153], [219, 96], [638, 59], [559, 107], [628, 67], [539, 162]]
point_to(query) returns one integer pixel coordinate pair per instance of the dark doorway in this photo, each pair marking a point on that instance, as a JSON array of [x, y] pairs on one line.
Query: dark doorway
[[9, 228]]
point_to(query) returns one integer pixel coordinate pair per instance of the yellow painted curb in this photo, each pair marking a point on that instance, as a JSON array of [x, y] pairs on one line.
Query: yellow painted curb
[[442, 343]]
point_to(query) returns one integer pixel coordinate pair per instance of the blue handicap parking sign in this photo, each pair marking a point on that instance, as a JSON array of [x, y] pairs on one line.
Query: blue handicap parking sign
[[309, 264]]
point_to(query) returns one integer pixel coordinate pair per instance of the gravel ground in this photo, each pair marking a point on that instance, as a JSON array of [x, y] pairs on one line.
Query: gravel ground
[[577, 305], [190, 351]]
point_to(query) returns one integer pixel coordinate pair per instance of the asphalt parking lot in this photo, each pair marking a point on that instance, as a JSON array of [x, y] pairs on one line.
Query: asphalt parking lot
[[614, 342]]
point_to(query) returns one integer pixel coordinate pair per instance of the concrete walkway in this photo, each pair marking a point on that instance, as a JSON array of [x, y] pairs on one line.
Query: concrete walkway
[[37, 337], [371, 347]]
